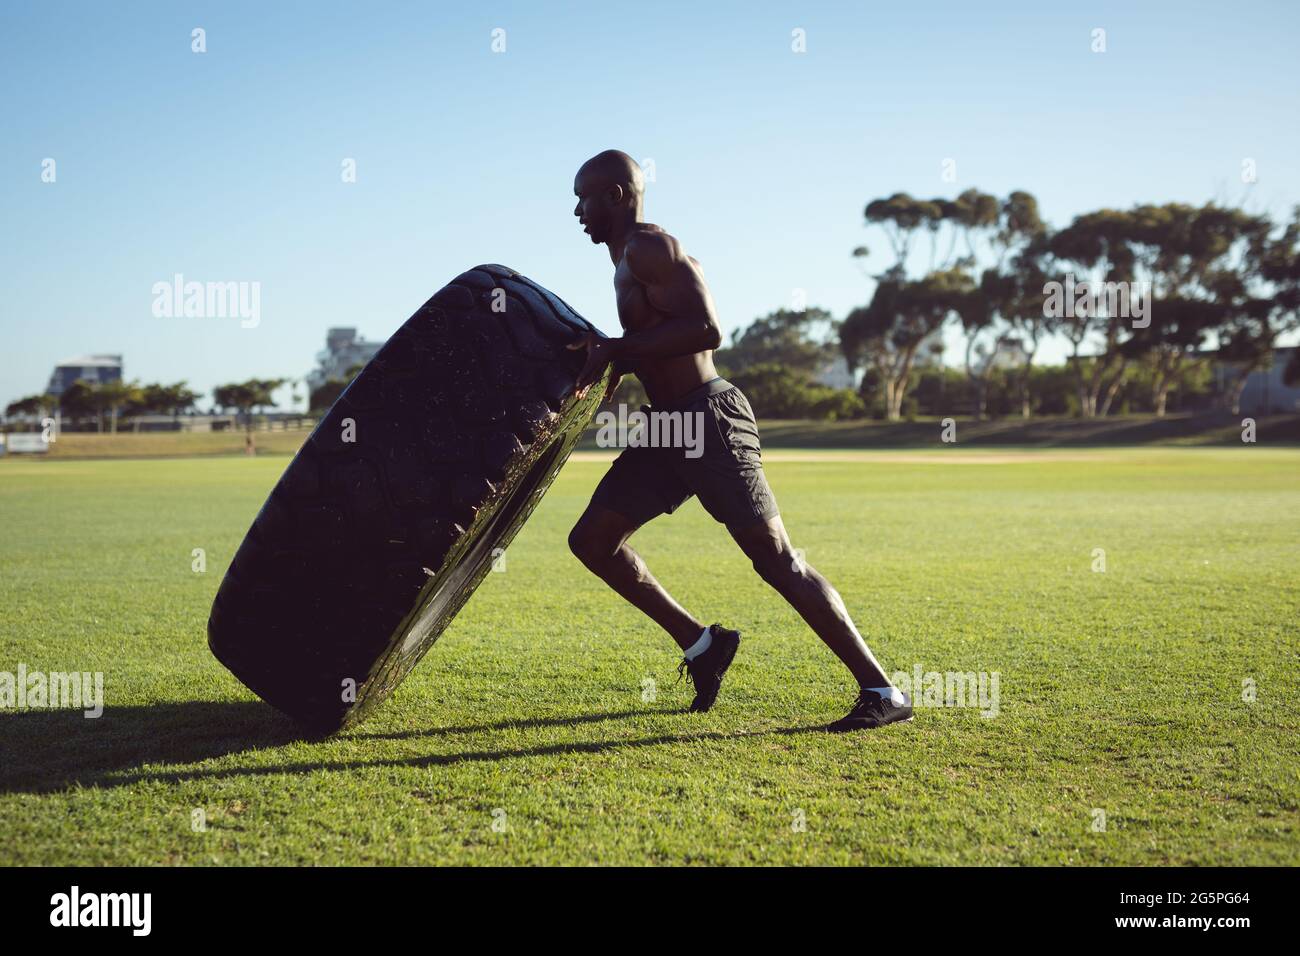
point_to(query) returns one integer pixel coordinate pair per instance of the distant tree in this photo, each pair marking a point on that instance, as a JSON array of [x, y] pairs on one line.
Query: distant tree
[[1015, 289], [77, 401], [976, 216], [244, 397], [1262, 302], [905, 314], [1096, 248], [802, 341], [1010, 229], [36, 405], [1189, 382], [325, 395], [111, 397], [899, 217], [978, 311], [175, 399], [159, 399], [777, 391], [889, 332], [1194, 259]]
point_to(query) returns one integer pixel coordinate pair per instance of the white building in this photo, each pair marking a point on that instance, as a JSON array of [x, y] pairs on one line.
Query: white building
[[343, 349]]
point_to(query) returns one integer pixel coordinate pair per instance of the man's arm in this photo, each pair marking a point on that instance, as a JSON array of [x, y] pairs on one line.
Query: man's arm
[[675, 291]]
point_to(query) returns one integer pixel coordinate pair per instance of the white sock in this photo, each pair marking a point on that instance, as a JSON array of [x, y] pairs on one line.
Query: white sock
[[700, 646], [891, 694]]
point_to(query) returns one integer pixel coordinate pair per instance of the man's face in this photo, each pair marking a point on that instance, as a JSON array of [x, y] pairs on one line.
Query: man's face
[[594, 208]]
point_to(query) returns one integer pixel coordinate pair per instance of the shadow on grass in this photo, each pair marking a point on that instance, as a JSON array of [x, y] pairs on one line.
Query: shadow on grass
[[508, 724], [52, 750], [465, 756], [47, 750]]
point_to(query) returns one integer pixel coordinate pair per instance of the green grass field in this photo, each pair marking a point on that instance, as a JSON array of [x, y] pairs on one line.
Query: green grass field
[[1120, 692]]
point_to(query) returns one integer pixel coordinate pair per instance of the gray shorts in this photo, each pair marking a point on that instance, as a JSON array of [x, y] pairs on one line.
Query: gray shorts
[[727, 476]]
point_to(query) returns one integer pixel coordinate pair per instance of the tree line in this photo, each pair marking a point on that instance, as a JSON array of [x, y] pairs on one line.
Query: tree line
[[1138, 295], [106, 402]]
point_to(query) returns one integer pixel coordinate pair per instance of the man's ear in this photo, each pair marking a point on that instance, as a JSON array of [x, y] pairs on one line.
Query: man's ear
[[615, 194]]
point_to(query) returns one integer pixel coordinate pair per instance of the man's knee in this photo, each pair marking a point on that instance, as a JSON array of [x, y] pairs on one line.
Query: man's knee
[[582, 544], [591, 544], [768, 548]]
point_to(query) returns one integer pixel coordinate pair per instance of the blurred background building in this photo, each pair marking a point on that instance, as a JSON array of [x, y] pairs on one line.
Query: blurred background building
[[343, 349], [97, 369]]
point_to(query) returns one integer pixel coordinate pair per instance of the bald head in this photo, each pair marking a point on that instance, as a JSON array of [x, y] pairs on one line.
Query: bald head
[[609, 187], [614, 167]]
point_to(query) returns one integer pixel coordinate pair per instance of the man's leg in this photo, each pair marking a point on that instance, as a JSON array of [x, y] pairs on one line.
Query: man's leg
[[767, 546], [599, 540], [729, 481]]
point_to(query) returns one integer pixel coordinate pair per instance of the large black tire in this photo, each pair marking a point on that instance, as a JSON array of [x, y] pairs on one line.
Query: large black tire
[[391, 513]]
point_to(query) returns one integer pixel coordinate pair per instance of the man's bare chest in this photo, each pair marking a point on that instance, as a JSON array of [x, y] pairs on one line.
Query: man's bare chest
[[634, 309]]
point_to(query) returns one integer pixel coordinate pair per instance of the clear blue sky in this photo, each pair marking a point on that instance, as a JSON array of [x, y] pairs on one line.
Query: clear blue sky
[[225, 166]]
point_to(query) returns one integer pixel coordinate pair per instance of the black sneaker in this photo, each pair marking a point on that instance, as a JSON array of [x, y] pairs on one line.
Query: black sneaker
[[872, 711], [707, 670]]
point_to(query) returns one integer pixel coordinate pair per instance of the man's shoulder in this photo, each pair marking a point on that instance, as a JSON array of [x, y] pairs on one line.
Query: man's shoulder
[[650, 246], [647, 235]]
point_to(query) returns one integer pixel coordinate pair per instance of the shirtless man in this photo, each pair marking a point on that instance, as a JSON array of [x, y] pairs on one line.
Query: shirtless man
[[670, 332]]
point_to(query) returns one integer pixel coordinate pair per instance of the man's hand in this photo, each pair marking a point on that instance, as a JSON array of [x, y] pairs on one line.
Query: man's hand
[[600, 352]]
